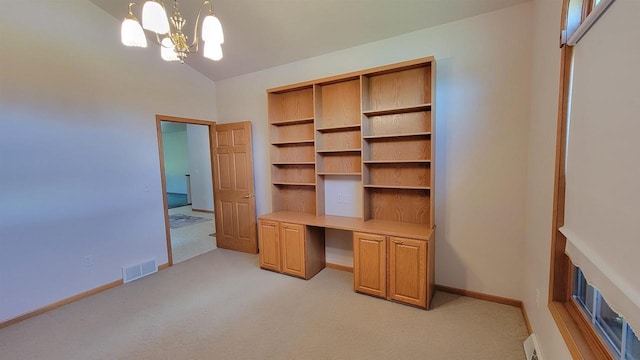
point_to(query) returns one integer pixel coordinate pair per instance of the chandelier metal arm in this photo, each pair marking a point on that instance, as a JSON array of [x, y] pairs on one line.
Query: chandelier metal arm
[[131, 6], [194, 43], [159, 41]]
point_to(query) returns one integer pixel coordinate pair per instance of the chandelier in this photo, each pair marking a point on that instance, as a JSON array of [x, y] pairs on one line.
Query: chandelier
[[174, 44]]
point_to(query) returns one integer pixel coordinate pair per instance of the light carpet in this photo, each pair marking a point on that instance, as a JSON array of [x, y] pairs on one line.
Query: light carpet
[[220, 305]]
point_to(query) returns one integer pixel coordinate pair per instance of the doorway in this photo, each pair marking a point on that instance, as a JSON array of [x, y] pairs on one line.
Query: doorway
[[187, 186]]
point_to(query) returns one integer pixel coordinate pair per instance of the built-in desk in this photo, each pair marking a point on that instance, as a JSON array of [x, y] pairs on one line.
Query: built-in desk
[[415, 231], [391, 260]]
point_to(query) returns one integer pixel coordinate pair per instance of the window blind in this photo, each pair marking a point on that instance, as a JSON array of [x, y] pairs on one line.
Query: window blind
[[602, 210]]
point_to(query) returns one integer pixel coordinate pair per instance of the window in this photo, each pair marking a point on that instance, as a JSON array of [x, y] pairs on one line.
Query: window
[[590, 327], [611, 326]]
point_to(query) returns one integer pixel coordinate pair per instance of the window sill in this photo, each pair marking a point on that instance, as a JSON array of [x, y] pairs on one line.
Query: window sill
[[581, 339]]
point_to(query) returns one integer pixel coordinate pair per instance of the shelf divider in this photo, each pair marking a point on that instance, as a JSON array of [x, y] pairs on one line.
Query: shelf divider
[[339, 174], [286, 183], [339, 128], [293, 121], [399, 187], [398, 110], [395, 136], [339, 151], [397, 161], [285, 163]]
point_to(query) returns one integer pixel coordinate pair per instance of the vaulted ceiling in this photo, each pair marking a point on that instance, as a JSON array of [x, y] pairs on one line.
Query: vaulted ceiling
[[260, 34]]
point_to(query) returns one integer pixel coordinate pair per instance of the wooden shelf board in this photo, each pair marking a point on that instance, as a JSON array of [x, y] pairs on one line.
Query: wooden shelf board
[[339, 174], [397, 161], [338, 151], [418, 134], [293, 121], [339, 128], [293, 163], [399, 110], [338, 80], [391, 228], [425, 61], [297, 142], [283, 183], [399, 187]]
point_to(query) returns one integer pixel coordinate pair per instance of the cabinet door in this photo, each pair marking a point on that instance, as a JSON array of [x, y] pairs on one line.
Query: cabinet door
[[370, 264], [293, 252], [408, 271], [269, 242]]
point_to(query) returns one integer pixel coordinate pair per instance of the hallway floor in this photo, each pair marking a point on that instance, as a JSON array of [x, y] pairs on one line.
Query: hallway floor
[[192, 240]]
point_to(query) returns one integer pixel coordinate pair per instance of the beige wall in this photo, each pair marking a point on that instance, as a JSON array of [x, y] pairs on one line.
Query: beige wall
[[483, 92], [80, 171], [540, 176]]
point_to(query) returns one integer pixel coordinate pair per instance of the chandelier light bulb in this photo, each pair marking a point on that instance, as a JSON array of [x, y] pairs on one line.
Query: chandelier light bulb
[[154, 18], [166, 50], [212, 51], [132, 34], [212, 30]]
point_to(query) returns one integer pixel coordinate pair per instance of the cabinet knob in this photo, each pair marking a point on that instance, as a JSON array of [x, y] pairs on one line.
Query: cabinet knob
[[398, 242]]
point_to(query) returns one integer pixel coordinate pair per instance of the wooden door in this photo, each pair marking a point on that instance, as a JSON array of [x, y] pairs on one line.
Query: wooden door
[[235, 205], [370, 264], [292, 244], [269, 239], [408, 271]]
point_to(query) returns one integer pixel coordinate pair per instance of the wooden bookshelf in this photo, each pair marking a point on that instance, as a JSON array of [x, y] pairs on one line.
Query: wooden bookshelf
[[338, 128], [292, 140], [373, 124], [374, 127]]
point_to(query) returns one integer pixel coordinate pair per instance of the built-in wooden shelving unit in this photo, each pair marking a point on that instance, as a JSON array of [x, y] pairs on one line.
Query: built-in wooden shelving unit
[[293, 150], [373, 125]]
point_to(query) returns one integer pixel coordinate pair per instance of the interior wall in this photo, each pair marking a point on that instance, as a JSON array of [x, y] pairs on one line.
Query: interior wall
[[540, 176], [541, 168], [80, 181], [482, 105], [176, 160], [200, 167]]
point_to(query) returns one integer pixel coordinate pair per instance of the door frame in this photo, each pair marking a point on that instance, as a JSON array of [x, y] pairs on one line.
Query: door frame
[[211, 128]]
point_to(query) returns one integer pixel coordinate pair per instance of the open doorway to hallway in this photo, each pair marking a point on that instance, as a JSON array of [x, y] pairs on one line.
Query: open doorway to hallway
[[186, 152]]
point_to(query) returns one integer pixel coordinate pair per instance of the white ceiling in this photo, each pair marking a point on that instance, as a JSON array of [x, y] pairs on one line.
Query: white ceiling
[[260, 34]]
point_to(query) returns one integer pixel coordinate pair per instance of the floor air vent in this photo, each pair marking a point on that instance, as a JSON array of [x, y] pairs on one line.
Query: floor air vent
[[531, 349], [137, 271]]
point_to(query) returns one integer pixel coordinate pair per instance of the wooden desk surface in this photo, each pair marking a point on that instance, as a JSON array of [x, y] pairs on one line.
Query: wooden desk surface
[[414, 231]]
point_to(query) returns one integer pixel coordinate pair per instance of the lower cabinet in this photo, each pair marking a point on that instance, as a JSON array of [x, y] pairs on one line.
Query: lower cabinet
[[269, 244], [291, 249], [408, 271], [370, 264], [389, 267], [393, 268]]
